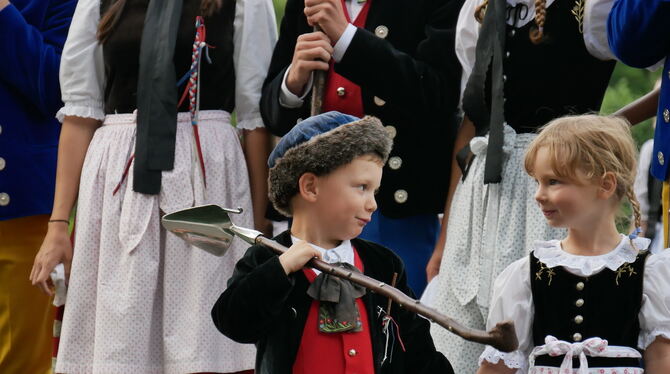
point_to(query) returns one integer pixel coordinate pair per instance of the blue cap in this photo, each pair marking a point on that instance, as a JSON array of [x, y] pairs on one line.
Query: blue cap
[[308, 129]]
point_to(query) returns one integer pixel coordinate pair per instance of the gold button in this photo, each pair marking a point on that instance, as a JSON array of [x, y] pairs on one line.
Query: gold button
[[577, 337], [512, 33], [4, 199], [579, 319], [580, 286], [382, 31], [395, 162], [507, 54], [400, 196], [352, 352], [579, 303], [666, 115], [2, 163], [378, 101], [661, 159], [340, 91], [504, 78], [391, 130]]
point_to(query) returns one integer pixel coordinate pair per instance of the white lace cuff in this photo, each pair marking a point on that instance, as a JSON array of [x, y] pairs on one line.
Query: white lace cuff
[[250, 122], [646, 339], [85, 109], [513, 360]]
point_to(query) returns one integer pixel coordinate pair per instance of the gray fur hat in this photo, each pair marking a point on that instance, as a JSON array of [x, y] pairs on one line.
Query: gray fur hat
[[319, 145]]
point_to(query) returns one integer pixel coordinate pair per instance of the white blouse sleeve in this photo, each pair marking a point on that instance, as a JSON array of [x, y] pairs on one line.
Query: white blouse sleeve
[[655, 312], [81, 69], [467, 32], [595, 28], [512, 301], [255, 34]]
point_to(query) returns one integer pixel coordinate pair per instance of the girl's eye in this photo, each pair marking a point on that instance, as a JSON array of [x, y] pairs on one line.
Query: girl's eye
[[362, 187], [553, 182]]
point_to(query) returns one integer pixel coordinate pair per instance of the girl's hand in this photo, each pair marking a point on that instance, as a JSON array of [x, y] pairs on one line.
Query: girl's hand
[[297, 256], [55, 249], [433, 267], [657, 356]]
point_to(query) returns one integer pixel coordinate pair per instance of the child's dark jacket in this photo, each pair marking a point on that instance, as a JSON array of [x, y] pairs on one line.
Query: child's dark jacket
[[264, 306]]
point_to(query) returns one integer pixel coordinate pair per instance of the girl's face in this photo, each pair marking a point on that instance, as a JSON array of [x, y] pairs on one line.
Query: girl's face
[[568, 203]]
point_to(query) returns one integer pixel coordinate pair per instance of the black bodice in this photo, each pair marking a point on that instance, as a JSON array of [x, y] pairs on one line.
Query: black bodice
[[573, 308], [551, 79], [121, 56]]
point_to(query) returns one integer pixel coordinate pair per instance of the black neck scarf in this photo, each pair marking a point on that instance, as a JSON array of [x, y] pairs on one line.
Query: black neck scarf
[[156, 96], [489, 55]]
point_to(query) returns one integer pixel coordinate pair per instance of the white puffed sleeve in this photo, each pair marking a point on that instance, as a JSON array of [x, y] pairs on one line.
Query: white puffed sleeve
[[81, 69], [512, 301], [467, 33], [655, 312], [255, 34], [595, 28]]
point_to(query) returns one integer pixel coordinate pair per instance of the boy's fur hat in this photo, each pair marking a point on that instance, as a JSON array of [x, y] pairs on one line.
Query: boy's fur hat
[[320, 145]]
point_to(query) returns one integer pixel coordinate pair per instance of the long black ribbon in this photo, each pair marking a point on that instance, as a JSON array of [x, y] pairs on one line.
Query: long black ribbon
[[156, 96], [489, 55]]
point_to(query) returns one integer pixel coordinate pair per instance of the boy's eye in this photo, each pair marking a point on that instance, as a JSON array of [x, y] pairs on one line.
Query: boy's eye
[[362, 187], [553, 182]]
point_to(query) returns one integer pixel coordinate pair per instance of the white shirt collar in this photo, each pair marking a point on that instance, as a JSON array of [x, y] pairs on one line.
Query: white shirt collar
[[552, 255]]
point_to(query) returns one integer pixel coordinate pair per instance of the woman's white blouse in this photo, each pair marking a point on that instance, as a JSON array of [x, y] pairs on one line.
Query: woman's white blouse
[[513, 299], [594, 27], [82, 76]]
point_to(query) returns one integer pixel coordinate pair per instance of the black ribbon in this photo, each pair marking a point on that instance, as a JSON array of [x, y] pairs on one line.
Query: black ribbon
[[337, 296], [156, 96], [489, 56]]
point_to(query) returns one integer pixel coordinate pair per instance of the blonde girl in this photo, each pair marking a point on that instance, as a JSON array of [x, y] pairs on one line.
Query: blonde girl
[[595, 301]]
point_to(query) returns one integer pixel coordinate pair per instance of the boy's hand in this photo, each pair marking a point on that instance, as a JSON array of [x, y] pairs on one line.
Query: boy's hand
[[297, 256], [312, 52], [329, 15]]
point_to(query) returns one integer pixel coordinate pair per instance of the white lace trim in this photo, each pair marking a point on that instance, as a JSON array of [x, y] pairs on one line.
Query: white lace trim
[[84, 109], [513, 360], [252, 123], [552, 255], [645, 339]]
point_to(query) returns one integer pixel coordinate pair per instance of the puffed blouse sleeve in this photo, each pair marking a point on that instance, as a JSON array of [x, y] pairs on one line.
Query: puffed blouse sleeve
[[255, 34], [655, 312], [81, 69], [467, 32], [512, 301]]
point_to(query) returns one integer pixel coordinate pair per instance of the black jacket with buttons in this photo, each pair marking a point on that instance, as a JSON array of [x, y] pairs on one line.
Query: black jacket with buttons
[[414, 70], [264, 306]]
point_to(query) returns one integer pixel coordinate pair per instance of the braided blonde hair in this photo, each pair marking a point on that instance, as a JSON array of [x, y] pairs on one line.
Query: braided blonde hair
[[595, 145], [536, 33]]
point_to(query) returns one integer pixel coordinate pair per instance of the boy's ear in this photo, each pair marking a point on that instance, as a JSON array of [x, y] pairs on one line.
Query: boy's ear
[[608, 185], [308, 186]]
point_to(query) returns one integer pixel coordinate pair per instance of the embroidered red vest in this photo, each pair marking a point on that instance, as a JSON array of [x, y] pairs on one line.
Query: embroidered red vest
[[340, 93], [334, 353]]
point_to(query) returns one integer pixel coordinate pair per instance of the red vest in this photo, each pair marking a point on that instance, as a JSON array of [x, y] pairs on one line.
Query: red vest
[[334, 353], [340, 93]]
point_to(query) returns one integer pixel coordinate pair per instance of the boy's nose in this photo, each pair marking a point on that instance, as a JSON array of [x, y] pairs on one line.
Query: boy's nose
[[540, 195], [371, 204]]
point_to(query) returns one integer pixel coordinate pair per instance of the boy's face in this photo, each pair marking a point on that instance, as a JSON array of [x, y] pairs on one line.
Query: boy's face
[[346, 197]]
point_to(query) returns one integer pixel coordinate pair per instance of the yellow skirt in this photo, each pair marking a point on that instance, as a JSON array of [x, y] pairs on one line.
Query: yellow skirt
[[26, 314]]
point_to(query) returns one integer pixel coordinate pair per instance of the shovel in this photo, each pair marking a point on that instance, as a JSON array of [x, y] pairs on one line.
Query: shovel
[[210, 228]]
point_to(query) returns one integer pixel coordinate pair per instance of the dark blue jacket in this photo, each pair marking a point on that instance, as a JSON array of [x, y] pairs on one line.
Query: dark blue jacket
[[639, 36], [32, 34]]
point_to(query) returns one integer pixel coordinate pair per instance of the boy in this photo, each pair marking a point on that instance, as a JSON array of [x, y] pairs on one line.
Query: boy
[[324, 174]]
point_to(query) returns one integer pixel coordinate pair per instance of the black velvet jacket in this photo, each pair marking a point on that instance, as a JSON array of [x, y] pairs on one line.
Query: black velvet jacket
[[264, 306], [414, 70]]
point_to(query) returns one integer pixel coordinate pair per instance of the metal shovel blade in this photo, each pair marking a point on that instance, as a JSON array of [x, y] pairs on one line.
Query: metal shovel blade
[[206, 227]]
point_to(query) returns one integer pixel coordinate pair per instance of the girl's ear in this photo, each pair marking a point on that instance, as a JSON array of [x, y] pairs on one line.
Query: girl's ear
[[608, 185], [308, 186]]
